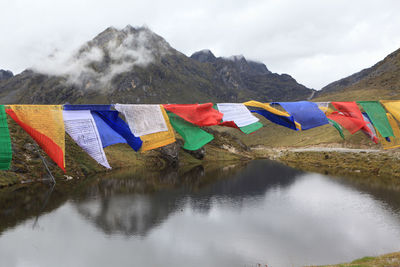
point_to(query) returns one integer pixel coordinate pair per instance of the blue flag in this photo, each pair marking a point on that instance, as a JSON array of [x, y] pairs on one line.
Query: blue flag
[[87, 107], [119, 125], [306, 113], [107, 135], [280, 120]]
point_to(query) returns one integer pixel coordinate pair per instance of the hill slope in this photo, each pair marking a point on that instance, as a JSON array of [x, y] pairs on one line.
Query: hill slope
[[135, 65], [381, 81]]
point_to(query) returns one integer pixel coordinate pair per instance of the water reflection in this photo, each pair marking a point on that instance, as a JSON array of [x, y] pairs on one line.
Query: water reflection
[[201, 216], [114, 208]]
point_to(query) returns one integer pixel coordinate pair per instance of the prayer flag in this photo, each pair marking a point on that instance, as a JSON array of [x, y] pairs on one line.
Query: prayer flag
[[377, 115], [371, 133], [238, 113], [337, 127], [80, 125], [306, 113], [194, 137], [93, 107], [198, 114], [393, 106], [394, 140], [155, 140], [274, 115], [143, 119], [107, 135], [5, 141], [45, 124], [349, 123], [351, 110], [119, 126]]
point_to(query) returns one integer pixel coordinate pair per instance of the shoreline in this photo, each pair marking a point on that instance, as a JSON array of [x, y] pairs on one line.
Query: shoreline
[[371, 166]]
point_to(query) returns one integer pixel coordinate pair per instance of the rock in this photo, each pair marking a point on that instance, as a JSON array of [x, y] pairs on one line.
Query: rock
[[30, 147], [198, 154], [171, 153], [5, 74]]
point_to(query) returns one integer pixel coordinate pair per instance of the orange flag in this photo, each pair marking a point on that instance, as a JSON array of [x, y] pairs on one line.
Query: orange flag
[[45, 124]]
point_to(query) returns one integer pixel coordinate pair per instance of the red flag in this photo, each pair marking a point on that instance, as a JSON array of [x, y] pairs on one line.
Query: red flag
[[351, 110], [349, 123], [198, 114]]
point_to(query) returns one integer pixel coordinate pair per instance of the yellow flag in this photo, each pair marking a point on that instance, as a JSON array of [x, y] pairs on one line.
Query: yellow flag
[[46, 125], [393, 106], [394, 141], [155, 140]]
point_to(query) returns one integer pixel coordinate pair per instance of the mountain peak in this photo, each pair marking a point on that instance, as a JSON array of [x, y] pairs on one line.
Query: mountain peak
[[204, 55]]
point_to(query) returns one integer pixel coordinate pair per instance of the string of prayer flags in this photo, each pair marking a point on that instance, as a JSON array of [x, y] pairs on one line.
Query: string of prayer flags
[[371, 133], [80, 125], [5, 141], [143, 119], [306, 113], [197, 114], [377, 115], [394, 141], [112, 119], [337, 127], [155, 140], [194, 137], [273, 114], [45, 124]]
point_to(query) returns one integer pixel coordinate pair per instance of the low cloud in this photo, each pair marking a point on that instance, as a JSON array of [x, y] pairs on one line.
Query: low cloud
[[112, 52]]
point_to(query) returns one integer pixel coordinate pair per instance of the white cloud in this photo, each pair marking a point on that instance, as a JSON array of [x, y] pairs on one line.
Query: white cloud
[[124, 49], [314, 41]]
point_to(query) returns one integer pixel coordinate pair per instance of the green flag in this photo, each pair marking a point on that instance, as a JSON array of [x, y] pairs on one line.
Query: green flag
[[337, 126], [5, 141], [248, 129], [377, 115], [194, 137]]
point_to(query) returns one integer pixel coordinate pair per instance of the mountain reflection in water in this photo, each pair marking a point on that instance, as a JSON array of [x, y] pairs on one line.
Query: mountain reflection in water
[[231, 215], [113, 207]]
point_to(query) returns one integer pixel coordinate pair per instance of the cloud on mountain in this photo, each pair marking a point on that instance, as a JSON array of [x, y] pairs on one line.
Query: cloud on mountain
[[97, 62]]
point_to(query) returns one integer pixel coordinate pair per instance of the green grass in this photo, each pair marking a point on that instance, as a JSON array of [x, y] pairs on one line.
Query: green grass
[[392, 259]]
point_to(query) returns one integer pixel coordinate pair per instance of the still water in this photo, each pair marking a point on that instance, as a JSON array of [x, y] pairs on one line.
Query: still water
[[262, 213]]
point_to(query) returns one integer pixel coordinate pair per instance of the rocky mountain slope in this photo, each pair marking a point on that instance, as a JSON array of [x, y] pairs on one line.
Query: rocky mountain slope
[[5, 74], [381, 81], [135, 65]]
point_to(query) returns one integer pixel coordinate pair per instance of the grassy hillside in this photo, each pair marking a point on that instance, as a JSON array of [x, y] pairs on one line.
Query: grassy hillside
[[381, 81]]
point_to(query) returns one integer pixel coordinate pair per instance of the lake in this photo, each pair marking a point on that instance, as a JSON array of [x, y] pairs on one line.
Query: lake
[[232, 215]]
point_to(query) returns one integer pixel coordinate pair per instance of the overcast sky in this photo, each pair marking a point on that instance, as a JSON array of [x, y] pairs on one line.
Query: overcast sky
[[315, 41]]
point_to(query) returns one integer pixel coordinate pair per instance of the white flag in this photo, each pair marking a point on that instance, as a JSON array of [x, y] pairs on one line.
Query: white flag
[[80, 125], [238, 113], [143, 119]]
